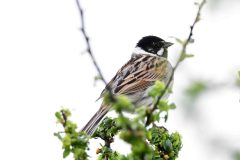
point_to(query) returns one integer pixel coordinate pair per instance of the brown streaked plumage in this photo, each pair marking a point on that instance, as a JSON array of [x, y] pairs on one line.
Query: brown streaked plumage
[[136, 77]]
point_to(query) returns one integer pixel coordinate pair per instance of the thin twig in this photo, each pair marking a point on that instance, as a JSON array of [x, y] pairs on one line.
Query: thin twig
[[89, 50], [64, 123], [182, 53]]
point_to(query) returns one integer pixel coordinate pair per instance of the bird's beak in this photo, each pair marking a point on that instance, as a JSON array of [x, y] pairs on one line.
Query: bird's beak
[[167, 44]]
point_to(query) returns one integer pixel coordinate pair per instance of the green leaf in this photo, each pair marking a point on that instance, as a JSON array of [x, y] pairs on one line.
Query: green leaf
[[185, 55], [172, 106], [191, 40], [107, 129], [58, 115], [66, 112], [106, 98], [163, 105], [180, 41], [196, 3], [198, 19], [66, 152], [97, 77], [73, 142], [155, 116], [58, 135], [123, 103], [66, 141], [189, 55], [168, 145], [156, 89]]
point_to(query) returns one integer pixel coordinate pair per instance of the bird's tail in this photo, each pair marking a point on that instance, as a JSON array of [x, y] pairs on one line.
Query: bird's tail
[[93, 123]]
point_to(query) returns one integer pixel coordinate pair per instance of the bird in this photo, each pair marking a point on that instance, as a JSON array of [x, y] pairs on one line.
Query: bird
[[135, 79]]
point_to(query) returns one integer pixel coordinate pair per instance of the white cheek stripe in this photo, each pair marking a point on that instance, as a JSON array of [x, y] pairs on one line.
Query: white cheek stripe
[[138, 50], [160, 52]]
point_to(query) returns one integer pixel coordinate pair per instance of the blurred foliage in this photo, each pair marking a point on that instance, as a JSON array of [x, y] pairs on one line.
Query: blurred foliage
[[191, 94], [215, 4], [236, 155], [238, 79], [195, 89]]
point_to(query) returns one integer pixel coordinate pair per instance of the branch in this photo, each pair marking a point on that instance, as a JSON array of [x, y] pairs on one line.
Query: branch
[[180, 59], [107, 144], [89, 50], [64, 118], [106, 158]]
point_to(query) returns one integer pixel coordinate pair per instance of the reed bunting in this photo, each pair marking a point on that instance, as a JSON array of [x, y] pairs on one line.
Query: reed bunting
[[148, 64]]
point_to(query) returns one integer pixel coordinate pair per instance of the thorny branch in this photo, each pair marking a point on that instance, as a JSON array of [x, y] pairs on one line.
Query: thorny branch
[[182, 54], [89, 50]]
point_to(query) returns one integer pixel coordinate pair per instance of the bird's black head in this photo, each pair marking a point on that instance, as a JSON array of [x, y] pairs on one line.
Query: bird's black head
[[153, 44]]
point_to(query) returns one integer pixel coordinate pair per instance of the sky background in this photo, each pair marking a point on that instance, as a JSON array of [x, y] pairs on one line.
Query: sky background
[[43, 67]]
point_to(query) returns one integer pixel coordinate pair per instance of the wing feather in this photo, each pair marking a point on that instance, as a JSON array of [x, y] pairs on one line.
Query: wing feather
[[144, 80], [139, 73]]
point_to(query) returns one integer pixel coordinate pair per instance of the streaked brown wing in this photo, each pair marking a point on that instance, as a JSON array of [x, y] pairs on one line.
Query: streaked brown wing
[[140, 72], [146, 77]]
